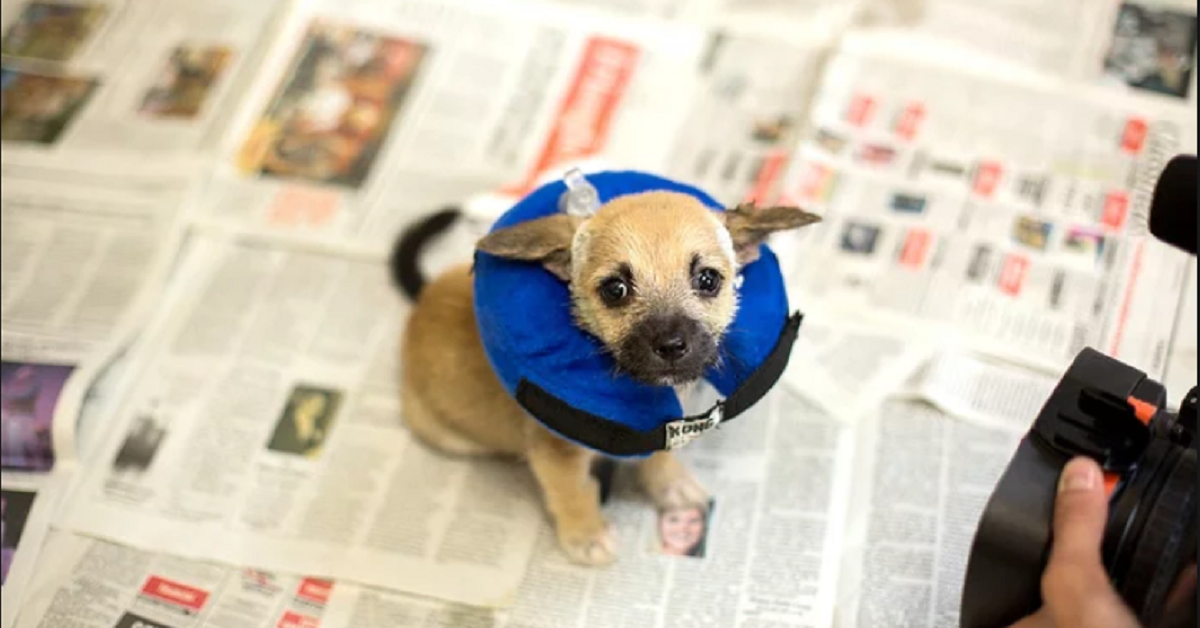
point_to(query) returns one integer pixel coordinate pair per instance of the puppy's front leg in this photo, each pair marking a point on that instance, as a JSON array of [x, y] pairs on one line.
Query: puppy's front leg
[[669, 483], [572, 496]]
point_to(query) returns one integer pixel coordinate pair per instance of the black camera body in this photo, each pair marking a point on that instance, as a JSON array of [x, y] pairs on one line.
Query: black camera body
[[1114, 414]]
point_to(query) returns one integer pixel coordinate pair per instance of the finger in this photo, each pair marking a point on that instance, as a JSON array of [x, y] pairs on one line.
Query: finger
[[1080, 514], [1075, 586], [1040, 619]]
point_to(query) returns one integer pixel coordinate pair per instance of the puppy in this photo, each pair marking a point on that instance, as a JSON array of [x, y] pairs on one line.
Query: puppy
[[651, 276]]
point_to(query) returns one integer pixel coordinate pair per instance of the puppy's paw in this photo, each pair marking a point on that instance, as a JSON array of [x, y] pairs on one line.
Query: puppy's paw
[[684, 491], [669, 484], [592, 545]]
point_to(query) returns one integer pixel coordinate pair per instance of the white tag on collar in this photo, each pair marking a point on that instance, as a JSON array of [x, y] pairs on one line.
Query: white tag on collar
[[683, 431], [581, 198]]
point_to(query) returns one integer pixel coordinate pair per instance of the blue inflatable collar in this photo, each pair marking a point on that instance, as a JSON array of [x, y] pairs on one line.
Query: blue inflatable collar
[[564, 379]]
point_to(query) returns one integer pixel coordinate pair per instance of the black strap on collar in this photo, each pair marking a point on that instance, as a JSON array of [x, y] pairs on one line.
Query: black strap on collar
[[621, 440]]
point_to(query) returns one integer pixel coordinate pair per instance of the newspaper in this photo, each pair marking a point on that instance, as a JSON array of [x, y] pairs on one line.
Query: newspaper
[[86, 247], [780, 477], [922, 481], [247, 467], [992, 394], [743, 123], [849, 369], [127, 75], [1007, 213], [710, 13], [90, 582], [262, 428], [1181, 369], [366, 113], [1139, 46]]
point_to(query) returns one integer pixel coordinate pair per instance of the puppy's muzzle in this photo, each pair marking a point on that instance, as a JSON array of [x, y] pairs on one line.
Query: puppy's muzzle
[[668, 350]]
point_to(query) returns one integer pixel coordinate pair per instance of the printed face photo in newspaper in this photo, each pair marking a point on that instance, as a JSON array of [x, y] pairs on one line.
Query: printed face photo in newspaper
[[184, 82], [334, 108], [1153, 49], [683, 530], [306, 421], [37, 108], [52, 31], [14, 510], [28, 396]]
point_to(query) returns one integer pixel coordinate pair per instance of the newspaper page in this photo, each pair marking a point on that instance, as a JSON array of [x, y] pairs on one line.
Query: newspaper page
[[849, 369], [1182, 365], [1136, 46], [744, 120], [86, 246], [263, 429], [128, 75], [367, 113], [992, 394], [87, 582], [763, 553], [695, 11], [1024, 32], [922, 481], [1006, 214]]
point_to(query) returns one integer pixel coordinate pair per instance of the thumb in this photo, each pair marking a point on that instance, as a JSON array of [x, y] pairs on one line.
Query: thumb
[[1075, 586], [1080, 514]]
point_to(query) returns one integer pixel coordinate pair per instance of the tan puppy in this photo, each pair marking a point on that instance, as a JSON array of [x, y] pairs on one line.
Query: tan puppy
[[651, 276]]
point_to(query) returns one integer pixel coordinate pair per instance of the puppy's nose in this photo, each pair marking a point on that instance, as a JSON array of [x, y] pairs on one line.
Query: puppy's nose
[[671, 348]]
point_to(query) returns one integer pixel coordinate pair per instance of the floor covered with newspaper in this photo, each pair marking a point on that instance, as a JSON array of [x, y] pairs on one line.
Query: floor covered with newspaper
[[200, 371]]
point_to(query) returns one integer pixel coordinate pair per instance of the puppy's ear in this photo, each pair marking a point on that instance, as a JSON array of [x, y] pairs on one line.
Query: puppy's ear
[[546, 240], [749, 226]]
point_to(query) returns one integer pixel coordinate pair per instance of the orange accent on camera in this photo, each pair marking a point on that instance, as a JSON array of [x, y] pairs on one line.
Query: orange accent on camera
[[1142, 410], [1110, 483]]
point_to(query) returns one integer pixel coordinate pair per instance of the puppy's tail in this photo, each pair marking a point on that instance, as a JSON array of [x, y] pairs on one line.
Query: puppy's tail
[[406, 255]]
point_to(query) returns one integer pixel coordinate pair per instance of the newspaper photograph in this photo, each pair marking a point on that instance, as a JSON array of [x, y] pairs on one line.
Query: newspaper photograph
[[28, 508], [37, 108], [52, 31], [1153, 48], [185, 81], [945, 204], [135, 75], [336, 104], [277, 374]]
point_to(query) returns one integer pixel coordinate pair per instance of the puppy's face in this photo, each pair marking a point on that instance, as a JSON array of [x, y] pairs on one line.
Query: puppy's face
[[651, 275]]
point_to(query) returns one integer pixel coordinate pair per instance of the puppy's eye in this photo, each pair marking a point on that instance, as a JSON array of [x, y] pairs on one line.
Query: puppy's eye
[[707, 282], [614, 291]]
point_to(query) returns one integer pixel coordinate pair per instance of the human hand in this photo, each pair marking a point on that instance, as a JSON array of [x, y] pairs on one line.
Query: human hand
[[1076, 591]]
